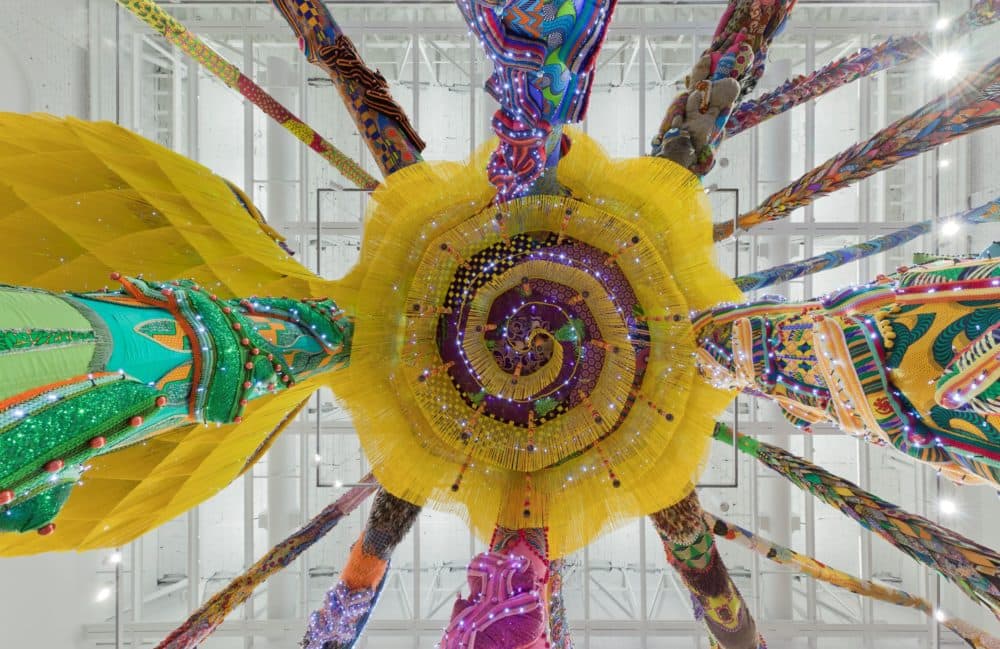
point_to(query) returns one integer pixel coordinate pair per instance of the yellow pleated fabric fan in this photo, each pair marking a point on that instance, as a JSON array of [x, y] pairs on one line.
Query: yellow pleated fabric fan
[[458, 306], [79, 200]]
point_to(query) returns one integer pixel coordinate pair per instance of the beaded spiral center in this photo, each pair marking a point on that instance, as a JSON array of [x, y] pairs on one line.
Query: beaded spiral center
[[527, 334]]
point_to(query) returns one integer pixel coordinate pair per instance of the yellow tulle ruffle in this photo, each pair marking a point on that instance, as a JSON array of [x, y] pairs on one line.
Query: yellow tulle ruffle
[[421, 223]]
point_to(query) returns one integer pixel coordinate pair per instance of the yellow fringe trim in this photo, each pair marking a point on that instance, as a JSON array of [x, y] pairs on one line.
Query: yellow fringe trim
[[417, 456]]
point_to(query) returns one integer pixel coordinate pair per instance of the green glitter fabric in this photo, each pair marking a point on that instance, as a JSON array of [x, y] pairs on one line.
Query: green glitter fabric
[[35, 512], [19, 340], [59, 427], [223, 390], [46, 435]]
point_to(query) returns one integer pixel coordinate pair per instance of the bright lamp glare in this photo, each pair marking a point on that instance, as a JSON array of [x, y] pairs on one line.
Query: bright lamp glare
[[948, 507], [940, 616], [946, 65], [950, 228], [115, 558], [942, 24], [103, 594], [944, 163]]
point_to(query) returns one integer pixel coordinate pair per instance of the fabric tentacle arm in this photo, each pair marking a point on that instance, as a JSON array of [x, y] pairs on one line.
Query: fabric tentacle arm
[[381, 121]]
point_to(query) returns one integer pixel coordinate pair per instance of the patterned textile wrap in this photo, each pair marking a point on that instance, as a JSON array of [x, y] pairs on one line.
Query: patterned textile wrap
[[971, 105], [347, 606], [691, 550], [382, 122], [988, 213], [506, 607], [908, 362], [212, 613], [975, 569], [171, 29], [807, 565], [343, 616], [559, 631], [544, 52], [866, 61], [85, 374], [695, 122], [59, 350], [79, 200]]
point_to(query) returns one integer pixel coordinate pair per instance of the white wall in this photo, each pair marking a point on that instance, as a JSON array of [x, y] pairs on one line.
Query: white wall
[[44, 57]]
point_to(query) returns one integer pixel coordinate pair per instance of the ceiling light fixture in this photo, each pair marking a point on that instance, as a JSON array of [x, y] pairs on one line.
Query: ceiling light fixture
[[946, 65]]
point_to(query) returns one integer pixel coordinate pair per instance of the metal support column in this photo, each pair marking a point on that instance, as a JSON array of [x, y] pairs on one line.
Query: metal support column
[[775, 146], [282, 460]]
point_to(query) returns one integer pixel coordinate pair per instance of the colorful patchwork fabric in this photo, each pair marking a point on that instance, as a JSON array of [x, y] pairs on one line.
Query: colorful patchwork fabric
[[908, 362], [229, 74], [974, 568], [381, 121], [245, 348], [339, 622], [544, 53], [969, 106], [695, 122], [691, 550], [807, 565], [559, 631]]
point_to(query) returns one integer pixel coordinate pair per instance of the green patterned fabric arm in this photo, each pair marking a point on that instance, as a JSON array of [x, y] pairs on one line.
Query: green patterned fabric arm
[[85, 374]]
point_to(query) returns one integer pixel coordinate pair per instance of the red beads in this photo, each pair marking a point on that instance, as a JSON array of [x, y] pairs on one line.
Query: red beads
[[160, 401], [135, 422], [248, 365], [237, 419], [6, 496], [247, 385], [97, 442], [45, 530], [54, 466], [116, 276]]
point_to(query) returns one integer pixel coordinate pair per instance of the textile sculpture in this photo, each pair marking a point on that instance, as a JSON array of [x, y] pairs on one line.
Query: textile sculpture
[[538, 340], [781, 555]]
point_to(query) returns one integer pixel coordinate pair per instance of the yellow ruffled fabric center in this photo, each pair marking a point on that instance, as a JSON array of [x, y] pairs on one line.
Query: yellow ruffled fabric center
[[579, 473]]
